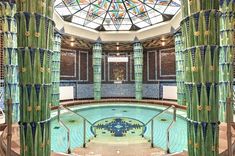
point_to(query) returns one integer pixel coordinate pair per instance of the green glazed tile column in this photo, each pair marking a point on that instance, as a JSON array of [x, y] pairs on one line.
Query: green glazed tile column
[[35, 48], [97, 62], [200, 31], [138, 68], [9, 33], [56, 70], [227, 22], [181, 99]]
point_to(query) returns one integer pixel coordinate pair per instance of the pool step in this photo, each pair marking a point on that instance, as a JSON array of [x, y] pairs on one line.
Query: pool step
[[119, 140], [102, 149]]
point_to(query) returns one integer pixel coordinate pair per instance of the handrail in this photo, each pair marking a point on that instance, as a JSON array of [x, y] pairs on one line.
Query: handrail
[[68, 130], [168, 131], [76, 113], [1, 95], [159, 114], [168, 128], [2, 113], [1, 98]]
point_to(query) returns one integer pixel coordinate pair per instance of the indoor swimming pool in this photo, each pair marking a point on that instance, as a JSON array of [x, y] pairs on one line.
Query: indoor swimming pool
[[118, 120]]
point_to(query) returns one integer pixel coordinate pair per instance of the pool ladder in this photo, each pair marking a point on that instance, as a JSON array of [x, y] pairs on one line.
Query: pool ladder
[[68, 130], [168, 128]]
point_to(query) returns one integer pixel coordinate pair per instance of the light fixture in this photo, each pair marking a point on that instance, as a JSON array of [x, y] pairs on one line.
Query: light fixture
[[118, 151], [118, 54], [117, 47], [72, 44], [163, 40], [72, 39]]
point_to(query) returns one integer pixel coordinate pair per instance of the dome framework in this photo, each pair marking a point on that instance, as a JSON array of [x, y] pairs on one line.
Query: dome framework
[[109, 15]]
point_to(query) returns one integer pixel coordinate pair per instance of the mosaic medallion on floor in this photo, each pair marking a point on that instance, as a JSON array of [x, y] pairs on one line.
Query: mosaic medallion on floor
[[118, 127]]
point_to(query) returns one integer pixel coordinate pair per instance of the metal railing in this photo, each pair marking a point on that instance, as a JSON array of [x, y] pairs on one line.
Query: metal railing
[[1, 97], [1, 94], [2, 114], [67, 128], [168, 128]]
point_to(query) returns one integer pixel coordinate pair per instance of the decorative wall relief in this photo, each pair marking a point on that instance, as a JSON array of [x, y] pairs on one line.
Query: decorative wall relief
[[117, 71]]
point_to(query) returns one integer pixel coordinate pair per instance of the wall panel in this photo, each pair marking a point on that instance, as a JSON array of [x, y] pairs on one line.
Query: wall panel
[[68, 64], [83, 66], [151, 66], [167, 63]]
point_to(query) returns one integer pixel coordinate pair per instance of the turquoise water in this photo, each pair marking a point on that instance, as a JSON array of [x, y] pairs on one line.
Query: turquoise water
[[178, 133]]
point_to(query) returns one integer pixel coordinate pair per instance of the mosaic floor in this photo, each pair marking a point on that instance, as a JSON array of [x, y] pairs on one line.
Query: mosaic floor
[[118, 127]]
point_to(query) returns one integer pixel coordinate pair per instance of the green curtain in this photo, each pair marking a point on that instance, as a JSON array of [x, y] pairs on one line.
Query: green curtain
[[35, 48]]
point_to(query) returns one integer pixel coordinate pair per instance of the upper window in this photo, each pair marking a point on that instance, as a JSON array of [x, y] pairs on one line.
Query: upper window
[[117, 14]]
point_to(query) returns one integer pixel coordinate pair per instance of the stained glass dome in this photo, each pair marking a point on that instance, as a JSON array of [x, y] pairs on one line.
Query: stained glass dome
[[116, 14]]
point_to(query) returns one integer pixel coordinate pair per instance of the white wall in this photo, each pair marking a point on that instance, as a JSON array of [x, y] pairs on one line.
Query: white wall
[[170, 92], [66, 93]]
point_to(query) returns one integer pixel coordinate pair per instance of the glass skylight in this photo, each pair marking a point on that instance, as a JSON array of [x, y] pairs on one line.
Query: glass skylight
[[116, 14]]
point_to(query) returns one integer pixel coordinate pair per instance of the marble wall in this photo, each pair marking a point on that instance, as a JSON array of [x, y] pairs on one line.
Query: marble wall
[[151, 91], [85, 91], [118, 90]]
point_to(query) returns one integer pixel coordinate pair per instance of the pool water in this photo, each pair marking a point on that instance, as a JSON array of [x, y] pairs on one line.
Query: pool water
[[97, 113]]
